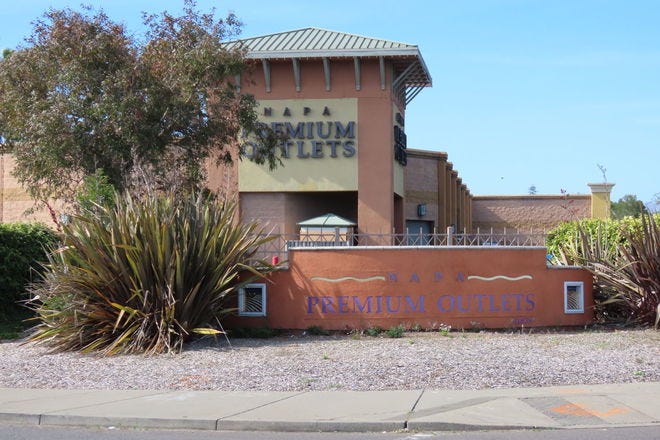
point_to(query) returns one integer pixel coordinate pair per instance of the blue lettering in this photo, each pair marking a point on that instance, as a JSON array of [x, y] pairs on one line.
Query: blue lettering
[[327, 305], [437, 276], [491, 301], [250, 150], [311, 302], [411, 306], [342, 131], [480, 302], [463, 308], [529, 300], [379, 304], [522, 320], [361, 307], [506, 305], [392, 277], [298, 132], [277, 127], [333, 147], [342, 304], [441, 306], [388, 301], [349, 149], [301, 150], [518, 297], [414, 278], [319, 130], [284, 147], [317, 149]]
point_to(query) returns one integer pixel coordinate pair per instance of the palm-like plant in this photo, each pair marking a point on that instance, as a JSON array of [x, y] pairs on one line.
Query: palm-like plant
[[144, 275], [627, 278]]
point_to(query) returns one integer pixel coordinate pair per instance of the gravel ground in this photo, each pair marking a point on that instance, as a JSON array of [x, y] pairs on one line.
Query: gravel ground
[[353, 362]]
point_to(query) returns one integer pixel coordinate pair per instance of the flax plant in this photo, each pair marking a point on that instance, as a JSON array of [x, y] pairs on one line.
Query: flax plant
[[627, 277], [144, 275]]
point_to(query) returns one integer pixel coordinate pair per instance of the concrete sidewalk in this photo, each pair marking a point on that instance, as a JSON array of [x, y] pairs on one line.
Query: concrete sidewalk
[[439, 410]]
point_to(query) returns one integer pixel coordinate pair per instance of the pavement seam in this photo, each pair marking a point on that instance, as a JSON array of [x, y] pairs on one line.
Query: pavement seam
[[45, 413], [639, 411], [412, 410], [217, 421]]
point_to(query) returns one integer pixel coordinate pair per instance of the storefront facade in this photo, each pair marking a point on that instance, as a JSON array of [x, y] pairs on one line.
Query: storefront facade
[[341, 101]]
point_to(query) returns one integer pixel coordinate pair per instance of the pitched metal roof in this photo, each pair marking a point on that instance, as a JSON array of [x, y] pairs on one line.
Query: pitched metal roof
[[327, 220], [313, 42]]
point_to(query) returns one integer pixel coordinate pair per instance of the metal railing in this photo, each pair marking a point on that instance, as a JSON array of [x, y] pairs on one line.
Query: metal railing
[[277, 248]]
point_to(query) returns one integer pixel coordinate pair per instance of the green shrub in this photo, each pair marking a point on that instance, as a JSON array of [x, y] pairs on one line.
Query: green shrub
[[317, 330], [626, 275], [396, 332], [14, 325], [628, 285], [563, 242], [373, 331], [22, 250], [145, 275]]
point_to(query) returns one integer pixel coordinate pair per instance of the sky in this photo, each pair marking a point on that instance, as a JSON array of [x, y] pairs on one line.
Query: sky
[[553, 94]]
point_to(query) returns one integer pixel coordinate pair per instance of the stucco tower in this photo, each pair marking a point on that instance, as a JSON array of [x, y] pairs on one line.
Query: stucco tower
[[341, 100]]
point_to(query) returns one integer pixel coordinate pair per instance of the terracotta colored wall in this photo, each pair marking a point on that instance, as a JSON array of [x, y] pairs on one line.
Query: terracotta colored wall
[[375, 167], [361, 287], [527, 212]]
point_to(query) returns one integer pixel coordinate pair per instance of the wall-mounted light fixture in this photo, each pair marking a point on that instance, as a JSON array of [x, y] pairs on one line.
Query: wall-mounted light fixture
[[421, 210]]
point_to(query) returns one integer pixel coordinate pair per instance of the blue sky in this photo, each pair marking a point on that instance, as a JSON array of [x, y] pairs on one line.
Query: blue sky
[[525, 92]]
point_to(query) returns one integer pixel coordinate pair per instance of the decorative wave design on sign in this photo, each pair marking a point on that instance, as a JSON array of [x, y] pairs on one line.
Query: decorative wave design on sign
[[339, 280], [500, 277]]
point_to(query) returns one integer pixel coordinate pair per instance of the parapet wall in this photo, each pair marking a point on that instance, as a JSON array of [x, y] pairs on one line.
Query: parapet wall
[[533, 212]]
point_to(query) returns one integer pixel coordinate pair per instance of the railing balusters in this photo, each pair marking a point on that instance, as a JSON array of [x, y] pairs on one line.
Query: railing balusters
[[280, 245]]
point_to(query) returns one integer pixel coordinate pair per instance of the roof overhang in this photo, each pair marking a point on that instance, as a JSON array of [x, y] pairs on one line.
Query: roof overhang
[[411, 74]]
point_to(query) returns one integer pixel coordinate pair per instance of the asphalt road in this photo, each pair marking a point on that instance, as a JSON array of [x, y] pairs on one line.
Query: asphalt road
[[9, 432]]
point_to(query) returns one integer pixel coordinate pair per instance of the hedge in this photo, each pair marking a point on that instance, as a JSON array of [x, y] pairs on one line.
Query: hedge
[[22, 248]]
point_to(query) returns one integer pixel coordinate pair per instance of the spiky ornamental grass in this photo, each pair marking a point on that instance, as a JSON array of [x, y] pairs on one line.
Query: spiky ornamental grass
[[145, 275], [626, 276]]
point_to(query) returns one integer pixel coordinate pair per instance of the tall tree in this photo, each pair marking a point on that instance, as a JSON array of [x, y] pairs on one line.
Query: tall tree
[[628, 205], [82, 97]]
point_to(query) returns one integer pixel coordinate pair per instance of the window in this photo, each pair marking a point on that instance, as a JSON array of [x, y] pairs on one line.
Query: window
[[573, 297], [252, 300]]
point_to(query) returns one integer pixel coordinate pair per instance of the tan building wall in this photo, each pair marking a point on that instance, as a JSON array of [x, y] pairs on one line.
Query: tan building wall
[[14, 200], [528, 212], [431, 181]]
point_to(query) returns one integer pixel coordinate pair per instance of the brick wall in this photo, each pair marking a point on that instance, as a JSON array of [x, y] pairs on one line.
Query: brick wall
[[267, 208], [281, 212], [431, 180], [528, 212], [421, 183]]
